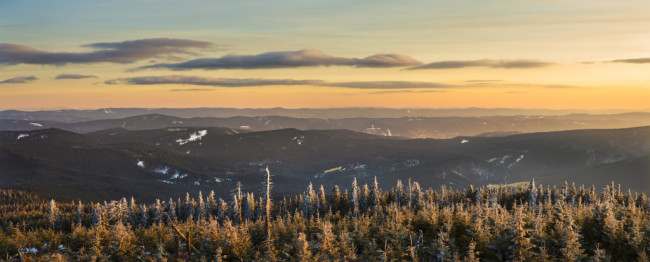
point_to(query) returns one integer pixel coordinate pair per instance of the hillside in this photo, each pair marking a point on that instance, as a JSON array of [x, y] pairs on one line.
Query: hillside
[[152, 163]]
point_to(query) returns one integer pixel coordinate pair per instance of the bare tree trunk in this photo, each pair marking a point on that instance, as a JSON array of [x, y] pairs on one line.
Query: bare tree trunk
[[268, 203]]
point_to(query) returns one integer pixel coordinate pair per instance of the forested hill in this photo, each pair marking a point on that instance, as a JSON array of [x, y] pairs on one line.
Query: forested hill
[[159, 163]]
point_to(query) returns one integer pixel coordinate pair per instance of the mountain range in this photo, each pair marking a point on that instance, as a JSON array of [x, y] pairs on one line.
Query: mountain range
[[407, 127], [76, 115], [147, 158]]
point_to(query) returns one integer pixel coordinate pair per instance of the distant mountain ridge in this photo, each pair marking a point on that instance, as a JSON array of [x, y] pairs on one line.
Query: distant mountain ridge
[[408, 127], [79, 115]]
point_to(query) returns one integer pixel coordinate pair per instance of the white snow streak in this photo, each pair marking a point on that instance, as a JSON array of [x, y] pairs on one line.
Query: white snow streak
[[519, 158], [516, 161], [162, 170], [193, 137], [166, 181], [35, 124], [21, 136], [178, 175]]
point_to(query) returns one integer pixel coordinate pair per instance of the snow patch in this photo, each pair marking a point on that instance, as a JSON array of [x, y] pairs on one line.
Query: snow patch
[[197, 182], [193, 137], [372, 129], [516, 161], [492, 159], [503, 159], [21, 136], [141, 163], [166, 181], [411, 163], [218, 180], [298, 140], [162, 170], [178, 175], [388, 131], [464, 141], [519, 158], [108, 111], [30, 250], [35, 124]]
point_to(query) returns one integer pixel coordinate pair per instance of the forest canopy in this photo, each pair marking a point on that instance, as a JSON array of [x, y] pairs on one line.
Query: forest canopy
[[358, 223]]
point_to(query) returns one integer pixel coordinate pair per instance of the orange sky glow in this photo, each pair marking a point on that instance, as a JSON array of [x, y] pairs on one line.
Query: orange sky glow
[[506, 54]]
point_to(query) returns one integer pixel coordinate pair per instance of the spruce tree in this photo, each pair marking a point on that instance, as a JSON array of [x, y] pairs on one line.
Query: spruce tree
[[53, 215], [522, 246], [532, 195], [355, 197], [302, 247], [79, 213], [97, 217], [374, 195]]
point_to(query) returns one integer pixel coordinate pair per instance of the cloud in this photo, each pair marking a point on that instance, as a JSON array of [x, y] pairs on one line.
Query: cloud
[[208, 81], [387, 60], [74, 76], [289, 59], [112, 52], [19, 80], [521, 63], [633, 61], [383, 92], [245, 82], [390, 85], [191, 89], [374, 87]]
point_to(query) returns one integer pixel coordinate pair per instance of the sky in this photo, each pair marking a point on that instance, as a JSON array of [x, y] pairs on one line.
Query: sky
[[551, 54]]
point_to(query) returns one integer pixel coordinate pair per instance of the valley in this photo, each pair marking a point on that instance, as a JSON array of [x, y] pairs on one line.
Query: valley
[[172, 159]]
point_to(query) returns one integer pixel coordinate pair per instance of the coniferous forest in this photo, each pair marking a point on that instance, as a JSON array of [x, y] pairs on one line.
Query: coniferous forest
[[350, 223]]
